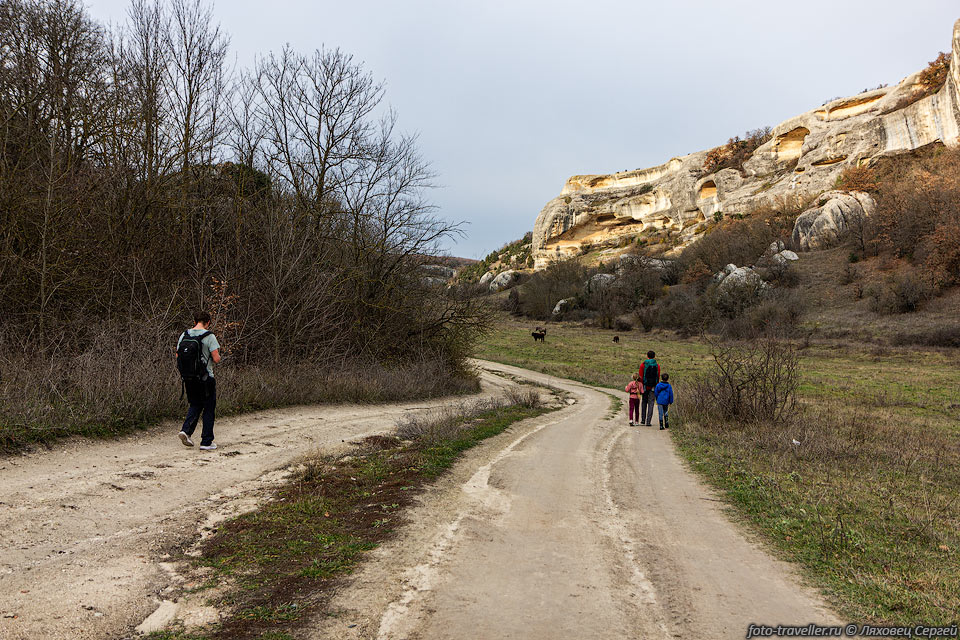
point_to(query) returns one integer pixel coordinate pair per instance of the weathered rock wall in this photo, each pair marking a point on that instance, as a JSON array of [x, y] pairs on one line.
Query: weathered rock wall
[[803, 158]]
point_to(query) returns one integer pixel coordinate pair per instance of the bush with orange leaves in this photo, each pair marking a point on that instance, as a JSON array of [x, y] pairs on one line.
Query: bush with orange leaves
[[737, 151], [858, 179], [918, 215]]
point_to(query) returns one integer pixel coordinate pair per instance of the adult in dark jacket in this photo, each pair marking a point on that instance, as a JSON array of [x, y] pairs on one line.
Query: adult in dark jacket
[[650, 376]]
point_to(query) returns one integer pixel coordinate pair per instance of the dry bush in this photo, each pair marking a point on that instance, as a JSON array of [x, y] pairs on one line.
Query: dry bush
[[562, 279], [749, 382], [918, 211], [903, 291], [527, 397], [739, 242], [449, 420], [737, 151], [929, 81], [858, 178]]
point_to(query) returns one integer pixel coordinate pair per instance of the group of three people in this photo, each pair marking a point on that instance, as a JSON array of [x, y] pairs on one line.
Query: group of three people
[[652, 387]]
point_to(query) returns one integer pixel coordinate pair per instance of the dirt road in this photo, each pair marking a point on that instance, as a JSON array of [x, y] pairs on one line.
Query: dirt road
[[85, 528], [569, 525]]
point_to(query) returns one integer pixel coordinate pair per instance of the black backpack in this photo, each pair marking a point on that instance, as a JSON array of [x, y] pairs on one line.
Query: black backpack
[[190, 361]]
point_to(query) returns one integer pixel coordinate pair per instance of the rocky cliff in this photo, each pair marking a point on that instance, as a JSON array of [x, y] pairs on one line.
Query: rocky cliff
[[802, 158]]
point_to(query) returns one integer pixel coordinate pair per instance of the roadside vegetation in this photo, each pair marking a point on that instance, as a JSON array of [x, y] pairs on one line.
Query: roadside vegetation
[[868, 502], [273, 570], [142, 178]]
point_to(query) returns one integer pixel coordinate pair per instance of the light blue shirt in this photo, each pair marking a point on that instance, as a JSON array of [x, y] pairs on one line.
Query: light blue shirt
[[208, 345]]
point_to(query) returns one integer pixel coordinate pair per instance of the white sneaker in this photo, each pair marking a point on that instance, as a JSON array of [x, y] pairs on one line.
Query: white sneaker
[[185, 439], [208, 447]]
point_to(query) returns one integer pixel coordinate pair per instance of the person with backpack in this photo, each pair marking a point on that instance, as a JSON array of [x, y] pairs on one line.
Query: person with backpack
[[649, 376], [197, 352], [664, 393]]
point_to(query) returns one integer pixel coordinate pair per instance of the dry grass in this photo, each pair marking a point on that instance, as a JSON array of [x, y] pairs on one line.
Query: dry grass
[[451, 419], [118, 386]]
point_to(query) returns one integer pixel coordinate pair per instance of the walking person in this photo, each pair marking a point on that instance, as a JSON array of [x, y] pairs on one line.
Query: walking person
[[649, 377], [664, 393], [197, 352], [635, 389]]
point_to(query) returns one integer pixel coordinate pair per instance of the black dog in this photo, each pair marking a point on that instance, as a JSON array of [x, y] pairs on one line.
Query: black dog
[[539, 335], [616, 339]]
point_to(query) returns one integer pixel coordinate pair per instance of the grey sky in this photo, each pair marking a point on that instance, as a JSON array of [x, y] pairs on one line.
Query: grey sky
[[511, 98]]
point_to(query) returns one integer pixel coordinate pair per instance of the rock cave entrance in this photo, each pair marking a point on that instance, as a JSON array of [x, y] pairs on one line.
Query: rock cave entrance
[[789, 145], [707, 190]]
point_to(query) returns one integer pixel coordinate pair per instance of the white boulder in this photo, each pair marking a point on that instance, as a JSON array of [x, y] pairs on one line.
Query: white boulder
[[563, 306], [486, 278], [828, 224], [504, 280]]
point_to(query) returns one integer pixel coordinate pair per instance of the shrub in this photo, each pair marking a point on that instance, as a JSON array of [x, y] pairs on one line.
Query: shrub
[[753, 381], [918, 214], [562, 279], [901, 292], [739, 242], [928, 81], [776, 315], [737, 151], [861, 178]]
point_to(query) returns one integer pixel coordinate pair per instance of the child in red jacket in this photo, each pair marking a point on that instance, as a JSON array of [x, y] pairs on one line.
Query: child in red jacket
[[635, 389]]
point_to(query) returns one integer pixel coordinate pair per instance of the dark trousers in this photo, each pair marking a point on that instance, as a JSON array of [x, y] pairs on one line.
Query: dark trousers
[[634, 409], [202, 397], [646, 408]]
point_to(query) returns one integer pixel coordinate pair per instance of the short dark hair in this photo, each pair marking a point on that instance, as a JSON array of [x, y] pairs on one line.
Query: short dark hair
[[202, 316], [665, 377], [651, 354]]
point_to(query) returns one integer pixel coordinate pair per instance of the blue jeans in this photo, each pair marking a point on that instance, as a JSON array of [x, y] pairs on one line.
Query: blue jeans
[[662, 410], [203, 400]]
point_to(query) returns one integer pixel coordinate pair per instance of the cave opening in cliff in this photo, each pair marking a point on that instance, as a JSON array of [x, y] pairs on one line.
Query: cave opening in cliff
[[708, 190], [789, 145]]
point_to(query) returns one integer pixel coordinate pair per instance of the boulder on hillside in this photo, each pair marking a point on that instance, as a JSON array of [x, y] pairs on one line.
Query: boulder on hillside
[[740, 276], [599, 281], [486, 278], [504, 280], [438, 271], [775, 247], [432, 282], [785, 256], [563, 306], [826, 225]]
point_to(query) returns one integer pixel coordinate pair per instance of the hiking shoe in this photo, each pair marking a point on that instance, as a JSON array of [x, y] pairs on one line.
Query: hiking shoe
[[208, 447], [662, 428], [632, 424], [185, 439]]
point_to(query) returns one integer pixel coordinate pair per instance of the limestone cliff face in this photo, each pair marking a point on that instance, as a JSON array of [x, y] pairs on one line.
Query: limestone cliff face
[[804, 157]]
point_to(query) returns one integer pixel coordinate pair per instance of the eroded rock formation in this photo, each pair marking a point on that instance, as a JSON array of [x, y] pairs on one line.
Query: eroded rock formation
[[803, 158]]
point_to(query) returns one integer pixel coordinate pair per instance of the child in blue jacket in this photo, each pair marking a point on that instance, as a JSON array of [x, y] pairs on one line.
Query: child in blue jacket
[[664, 393]]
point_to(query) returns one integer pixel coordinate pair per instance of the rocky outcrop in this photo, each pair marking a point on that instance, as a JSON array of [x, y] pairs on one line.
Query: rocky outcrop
[[832, 220], [803, 158], [504, 280], [599, 282], [486, 278], [438, 271]]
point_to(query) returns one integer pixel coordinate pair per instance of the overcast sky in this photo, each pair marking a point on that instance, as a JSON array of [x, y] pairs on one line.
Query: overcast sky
[[511, 98]]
